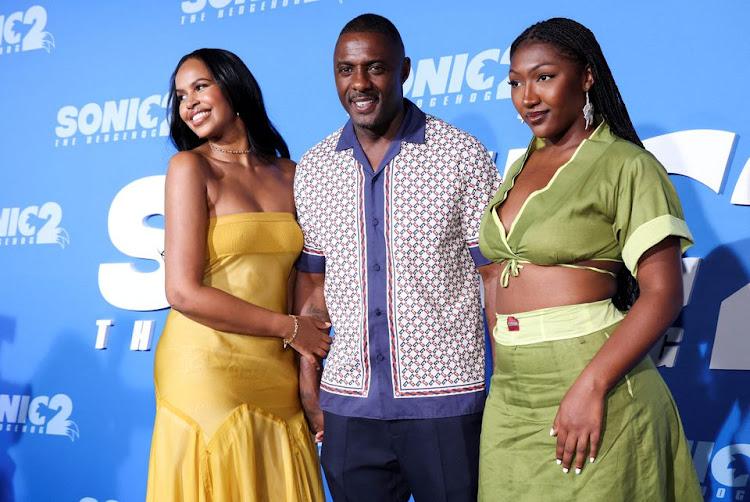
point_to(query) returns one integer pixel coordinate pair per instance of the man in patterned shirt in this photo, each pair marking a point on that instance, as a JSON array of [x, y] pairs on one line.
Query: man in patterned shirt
[[390, 208]]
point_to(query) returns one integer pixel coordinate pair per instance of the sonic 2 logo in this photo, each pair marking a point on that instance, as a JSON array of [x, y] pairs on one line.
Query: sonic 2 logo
[[121, 284], [727, 466], [41, 415], [126, 119], [445, 82], [24, 31], [33, 225], [194, 10]]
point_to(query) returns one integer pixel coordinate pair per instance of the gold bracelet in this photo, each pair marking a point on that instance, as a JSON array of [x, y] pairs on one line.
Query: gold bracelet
[[288, 341]]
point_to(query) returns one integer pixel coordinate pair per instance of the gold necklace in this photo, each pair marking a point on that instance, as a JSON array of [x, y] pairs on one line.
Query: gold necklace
[[234, 152]]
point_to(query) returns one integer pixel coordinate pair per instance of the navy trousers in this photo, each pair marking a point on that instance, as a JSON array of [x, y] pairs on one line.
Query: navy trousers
[[435, 460]]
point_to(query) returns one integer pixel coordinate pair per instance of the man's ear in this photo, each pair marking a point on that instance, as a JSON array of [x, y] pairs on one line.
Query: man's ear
[[405, 69]]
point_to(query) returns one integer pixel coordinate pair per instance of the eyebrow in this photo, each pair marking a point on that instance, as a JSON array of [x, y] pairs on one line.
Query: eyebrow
[[193, 83], [535, 67], [366, 63]]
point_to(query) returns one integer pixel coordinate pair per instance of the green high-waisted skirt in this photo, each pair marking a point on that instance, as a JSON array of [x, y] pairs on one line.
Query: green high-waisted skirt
[[643, 455]]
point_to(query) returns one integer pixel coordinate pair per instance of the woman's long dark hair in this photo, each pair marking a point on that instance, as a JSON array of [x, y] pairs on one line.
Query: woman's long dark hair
[[576, 42], [243, 94]]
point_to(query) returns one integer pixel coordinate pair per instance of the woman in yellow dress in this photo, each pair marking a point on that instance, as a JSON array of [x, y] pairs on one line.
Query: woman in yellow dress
[[229, 424]]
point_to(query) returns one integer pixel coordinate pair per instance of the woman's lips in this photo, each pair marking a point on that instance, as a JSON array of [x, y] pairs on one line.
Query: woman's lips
[[535, 117]]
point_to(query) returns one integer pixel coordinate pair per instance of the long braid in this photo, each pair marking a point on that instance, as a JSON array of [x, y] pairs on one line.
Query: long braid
[[575, 41]]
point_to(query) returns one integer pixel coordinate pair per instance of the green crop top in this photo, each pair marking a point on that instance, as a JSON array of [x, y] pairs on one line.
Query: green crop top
[[611, 201]]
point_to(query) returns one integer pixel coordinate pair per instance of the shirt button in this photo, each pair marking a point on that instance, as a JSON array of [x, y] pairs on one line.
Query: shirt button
[[380, 357], [378, 312], [375, 221], [376, 267]]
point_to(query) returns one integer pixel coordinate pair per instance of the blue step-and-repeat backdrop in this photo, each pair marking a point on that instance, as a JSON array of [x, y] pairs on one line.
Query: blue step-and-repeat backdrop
[[84, 149]]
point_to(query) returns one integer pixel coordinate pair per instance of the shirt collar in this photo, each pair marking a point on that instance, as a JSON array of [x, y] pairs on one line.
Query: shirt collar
[[602, 134], [590, 148], [412, 129]]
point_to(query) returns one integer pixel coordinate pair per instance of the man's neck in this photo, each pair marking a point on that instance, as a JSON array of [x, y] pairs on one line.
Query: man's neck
[[375, 143]]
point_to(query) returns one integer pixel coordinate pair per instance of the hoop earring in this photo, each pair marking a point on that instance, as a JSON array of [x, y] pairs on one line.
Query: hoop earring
[[588, 112]]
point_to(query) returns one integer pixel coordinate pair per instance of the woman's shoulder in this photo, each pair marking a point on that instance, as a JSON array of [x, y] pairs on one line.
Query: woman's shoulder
[[626, 157], [286, 167], [189, 163], [188, 158], [626, 148]]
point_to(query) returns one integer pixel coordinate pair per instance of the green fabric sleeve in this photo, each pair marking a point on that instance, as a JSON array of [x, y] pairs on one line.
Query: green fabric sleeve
[[647, 210]]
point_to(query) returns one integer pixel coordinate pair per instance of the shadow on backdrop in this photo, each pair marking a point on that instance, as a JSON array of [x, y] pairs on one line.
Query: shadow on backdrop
[[11, 432], [98, 411]]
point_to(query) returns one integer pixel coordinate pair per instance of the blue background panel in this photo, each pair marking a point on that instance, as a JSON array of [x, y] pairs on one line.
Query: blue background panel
[[84, 144]]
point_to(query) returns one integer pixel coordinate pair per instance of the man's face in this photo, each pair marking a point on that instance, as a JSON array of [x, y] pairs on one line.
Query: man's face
[[370, 71]]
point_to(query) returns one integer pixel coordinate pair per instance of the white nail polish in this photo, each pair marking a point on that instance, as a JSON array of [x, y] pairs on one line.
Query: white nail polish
[[592, 460], [552, 432], [565, 470], [578, 471], [558, 461]]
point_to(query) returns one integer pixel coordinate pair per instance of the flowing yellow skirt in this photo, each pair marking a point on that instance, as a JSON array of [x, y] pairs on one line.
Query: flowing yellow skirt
[[229, 426]]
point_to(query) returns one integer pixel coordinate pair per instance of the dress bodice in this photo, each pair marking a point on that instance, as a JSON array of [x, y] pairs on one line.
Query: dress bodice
[[251, 255]]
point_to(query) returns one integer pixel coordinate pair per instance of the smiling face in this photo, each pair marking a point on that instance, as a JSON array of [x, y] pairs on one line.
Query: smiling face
[[203, 106], [370, 72], [548, 90]]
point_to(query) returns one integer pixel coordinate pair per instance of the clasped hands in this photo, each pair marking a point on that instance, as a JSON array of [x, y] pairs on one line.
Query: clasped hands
[[312, 340]]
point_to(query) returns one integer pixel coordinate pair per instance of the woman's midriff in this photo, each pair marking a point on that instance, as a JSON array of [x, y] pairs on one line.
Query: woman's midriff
[[543, 286]]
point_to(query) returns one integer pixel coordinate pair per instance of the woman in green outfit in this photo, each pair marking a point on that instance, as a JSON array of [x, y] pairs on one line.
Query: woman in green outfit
[[582, 214]]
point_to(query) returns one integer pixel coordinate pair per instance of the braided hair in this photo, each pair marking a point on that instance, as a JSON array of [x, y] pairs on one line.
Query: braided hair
[[576, 42]]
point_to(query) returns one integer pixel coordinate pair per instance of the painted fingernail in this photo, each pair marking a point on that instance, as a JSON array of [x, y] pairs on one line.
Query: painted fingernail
[[578, 470], [565, 470], [559, 462], [592, 460], [552, 431]]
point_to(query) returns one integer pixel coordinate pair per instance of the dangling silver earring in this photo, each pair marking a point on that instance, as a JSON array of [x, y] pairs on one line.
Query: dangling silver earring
[[520, 118], [588, 112], [238, 114]]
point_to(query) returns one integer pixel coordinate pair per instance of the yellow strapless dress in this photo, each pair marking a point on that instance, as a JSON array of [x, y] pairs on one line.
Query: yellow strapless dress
[[229, 424]]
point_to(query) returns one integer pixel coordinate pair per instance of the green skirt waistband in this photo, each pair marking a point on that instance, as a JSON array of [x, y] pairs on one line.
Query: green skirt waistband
[[555, 323]]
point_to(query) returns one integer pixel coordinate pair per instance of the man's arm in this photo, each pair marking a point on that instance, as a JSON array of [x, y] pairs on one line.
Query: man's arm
[[310, 301], [490, 274], [482, 180]]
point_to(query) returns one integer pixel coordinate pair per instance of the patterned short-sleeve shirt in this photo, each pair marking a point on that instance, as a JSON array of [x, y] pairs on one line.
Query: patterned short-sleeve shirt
[[399, 249]]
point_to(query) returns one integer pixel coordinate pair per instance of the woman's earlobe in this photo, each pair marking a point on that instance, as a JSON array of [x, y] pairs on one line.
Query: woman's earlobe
[[588, 82]]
